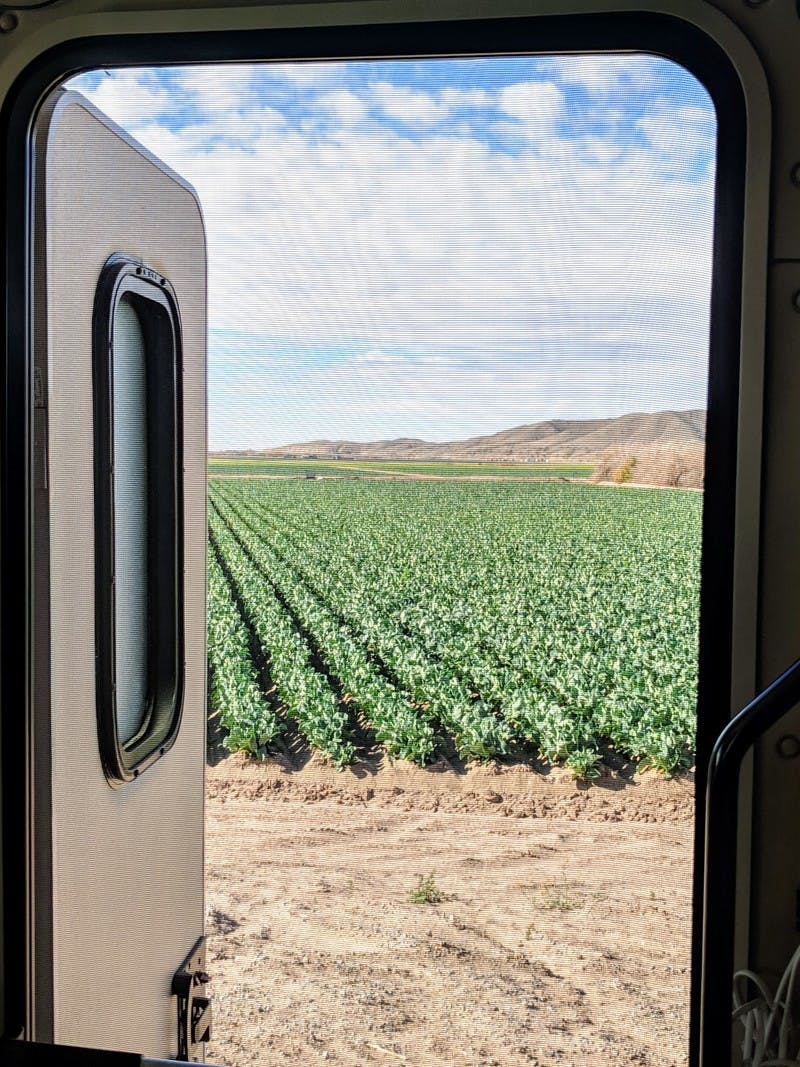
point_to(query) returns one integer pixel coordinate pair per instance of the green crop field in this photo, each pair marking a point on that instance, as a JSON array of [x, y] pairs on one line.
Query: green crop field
[[254, 466], [489, 618]]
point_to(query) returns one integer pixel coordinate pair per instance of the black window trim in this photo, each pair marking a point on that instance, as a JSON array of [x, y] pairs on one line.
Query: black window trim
[[156, 306]]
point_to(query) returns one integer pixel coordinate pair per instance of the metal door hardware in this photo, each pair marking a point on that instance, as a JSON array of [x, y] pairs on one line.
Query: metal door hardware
[[194, 1006]]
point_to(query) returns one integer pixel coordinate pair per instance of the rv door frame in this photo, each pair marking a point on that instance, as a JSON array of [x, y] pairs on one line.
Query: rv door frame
[[696, 36]]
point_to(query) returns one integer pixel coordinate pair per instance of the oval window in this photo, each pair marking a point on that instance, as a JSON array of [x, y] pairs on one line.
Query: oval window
[[138, 510]]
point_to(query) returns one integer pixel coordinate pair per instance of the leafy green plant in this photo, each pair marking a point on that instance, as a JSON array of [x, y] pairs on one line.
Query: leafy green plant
[[426, 891], [558, 619], [252, 725], [583, 763], [306, 694]]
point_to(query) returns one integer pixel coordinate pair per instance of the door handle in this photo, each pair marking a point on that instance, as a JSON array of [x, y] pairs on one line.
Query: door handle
[[721, 829]]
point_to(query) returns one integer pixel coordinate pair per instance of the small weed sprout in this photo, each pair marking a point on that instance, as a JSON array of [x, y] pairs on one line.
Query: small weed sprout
[[426, 891], [555, 896]]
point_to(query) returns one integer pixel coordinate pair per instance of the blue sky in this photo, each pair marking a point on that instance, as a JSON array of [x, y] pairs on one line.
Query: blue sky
[[443, 248]]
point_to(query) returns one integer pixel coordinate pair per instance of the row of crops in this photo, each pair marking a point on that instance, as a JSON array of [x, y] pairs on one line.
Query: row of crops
[[488, 619], [258, 466]]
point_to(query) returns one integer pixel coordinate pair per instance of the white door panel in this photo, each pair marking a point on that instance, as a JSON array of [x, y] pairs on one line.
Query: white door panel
[[119, 871]]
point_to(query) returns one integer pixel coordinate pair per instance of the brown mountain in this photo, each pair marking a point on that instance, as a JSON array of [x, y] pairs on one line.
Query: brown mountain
[[575, 439]]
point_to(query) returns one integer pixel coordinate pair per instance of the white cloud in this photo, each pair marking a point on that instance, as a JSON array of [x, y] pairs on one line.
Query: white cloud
[[682, 132], [418, 397], [345, 106], [465, 284], [600, 149], [392, 242], [537, 104], [600, 75], [132, 98], [410, 106], [375, 355], [472, 98], [307, 74], [219, 88]]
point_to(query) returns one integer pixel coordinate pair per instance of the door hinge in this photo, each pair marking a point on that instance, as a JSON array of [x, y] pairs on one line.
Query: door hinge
[[194, 1005]]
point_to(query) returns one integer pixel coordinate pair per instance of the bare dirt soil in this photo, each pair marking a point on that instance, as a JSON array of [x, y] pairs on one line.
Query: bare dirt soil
[[560, 934]]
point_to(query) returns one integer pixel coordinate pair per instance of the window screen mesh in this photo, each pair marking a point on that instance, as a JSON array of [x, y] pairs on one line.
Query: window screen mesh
[[457, 383]]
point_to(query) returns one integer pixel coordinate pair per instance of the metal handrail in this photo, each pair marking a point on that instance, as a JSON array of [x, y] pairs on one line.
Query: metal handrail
[[719, 898]]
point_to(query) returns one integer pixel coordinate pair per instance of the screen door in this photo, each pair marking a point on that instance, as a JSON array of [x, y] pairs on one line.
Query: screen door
[[119, 681]]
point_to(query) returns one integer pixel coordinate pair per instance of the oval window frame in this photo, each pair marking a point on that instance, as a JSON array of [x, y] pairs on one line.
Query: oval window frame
[[153, 298]]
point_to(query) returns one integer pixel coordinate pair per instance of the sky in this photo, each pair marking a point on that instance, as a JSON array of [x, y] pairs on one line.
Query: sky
[[439, 248]]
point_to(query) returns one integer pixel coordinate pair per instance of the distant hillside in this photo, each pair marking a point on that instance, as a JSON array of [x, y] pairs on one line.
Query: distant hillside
[[576, 439]]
